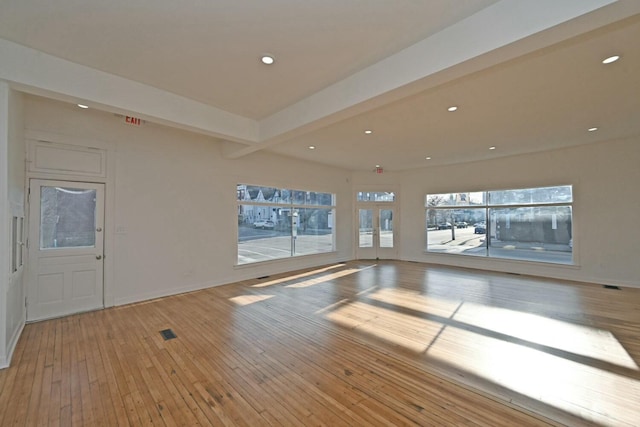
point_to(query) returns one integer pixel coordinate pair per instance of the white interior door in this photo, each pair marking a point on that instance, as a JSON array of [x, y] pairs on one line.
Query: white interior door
[[65, 266], [376, 236]]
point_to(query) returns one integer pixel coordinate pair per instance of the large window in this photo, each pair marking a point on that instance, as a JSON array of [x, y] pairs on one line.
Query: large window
[[533, 224], [278, 223]]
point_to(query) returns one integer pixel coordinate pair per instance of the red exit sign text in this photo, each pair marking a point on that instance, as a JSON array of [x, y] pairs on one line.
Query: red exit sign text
[[133, 120]]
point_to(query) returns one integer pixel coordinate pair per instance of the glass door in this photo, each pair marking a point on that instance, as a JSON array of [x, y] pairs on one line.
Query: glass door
[[376, 238]]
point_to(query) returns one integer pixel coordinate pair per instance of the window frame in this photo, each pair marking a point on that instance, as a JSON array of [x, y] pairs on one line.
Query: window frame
[[489, 208]]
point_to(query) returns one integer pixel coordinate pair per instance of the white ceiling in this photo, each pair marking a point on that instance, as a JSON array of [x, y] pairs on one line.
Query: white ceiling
[[526, 75]]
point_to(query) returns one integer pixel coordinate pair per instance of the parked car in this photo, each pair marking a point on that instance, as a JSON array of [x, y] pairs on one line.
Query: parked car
[[444, 226], [461, 224], [480, 229], [262, 223]]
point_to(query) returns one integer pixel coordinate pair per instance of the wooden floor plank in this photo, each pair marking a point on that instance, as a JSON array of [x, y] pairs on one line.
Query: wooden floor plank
[[360, 343], [26, 388]]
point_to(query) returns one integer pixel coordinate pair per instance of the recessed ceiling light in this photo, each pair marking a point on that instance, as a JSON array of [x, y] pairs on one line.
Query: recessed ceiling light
[[83, 106], [267, 59], [452, 108], [611, 59], [427, 158], [592, 129], [368, 131], [312, 147], [492, 148]]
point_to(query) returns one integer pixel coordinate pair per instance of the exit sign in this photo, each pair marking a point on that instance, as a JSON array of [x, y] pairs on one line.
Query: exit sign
[[133, 120]]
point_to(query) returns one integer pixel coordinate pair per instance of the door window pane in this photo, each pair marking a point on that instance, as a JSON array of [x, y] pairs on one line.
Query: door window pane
[[67, 217], [366, 228], [386, 228]]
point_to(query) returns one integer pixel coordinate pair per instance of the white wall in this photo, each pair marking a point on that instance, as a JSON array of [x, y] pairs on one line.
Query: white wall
[[174, 201], [606, 205]]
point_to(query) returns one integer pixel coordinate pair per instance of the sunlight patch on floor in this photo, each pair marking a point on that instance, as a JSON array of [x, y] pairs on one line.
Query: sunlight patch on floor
[[535, 329], [324, 278], [557, 334], [243, 300], [301, 275], [416, 301], [554, 380], [395, 328]]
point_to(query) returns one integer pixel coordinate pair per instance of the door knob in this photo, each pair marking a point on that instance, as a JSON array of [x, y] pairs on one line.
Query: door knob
[[99, 229], [98, 256]]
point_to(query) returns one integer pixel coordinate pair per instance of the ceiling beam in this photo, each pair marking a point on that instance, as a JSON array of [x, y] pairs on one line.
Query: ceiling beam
[[42, 74]]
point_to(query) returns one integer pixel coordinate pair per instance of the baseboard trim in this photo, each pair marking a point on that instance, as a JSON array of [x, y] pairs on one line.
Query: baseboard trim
[[6, 360]]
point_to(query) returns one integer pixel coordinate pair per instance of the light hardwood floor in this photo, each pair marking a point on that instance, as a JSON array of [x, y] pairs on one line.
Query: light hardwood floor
[[362, 343]]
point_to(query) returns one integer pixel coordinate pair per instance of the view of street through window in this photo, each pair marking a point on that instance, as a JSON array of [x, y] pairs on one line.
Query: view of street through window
[[532, 224], [278, 223]]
